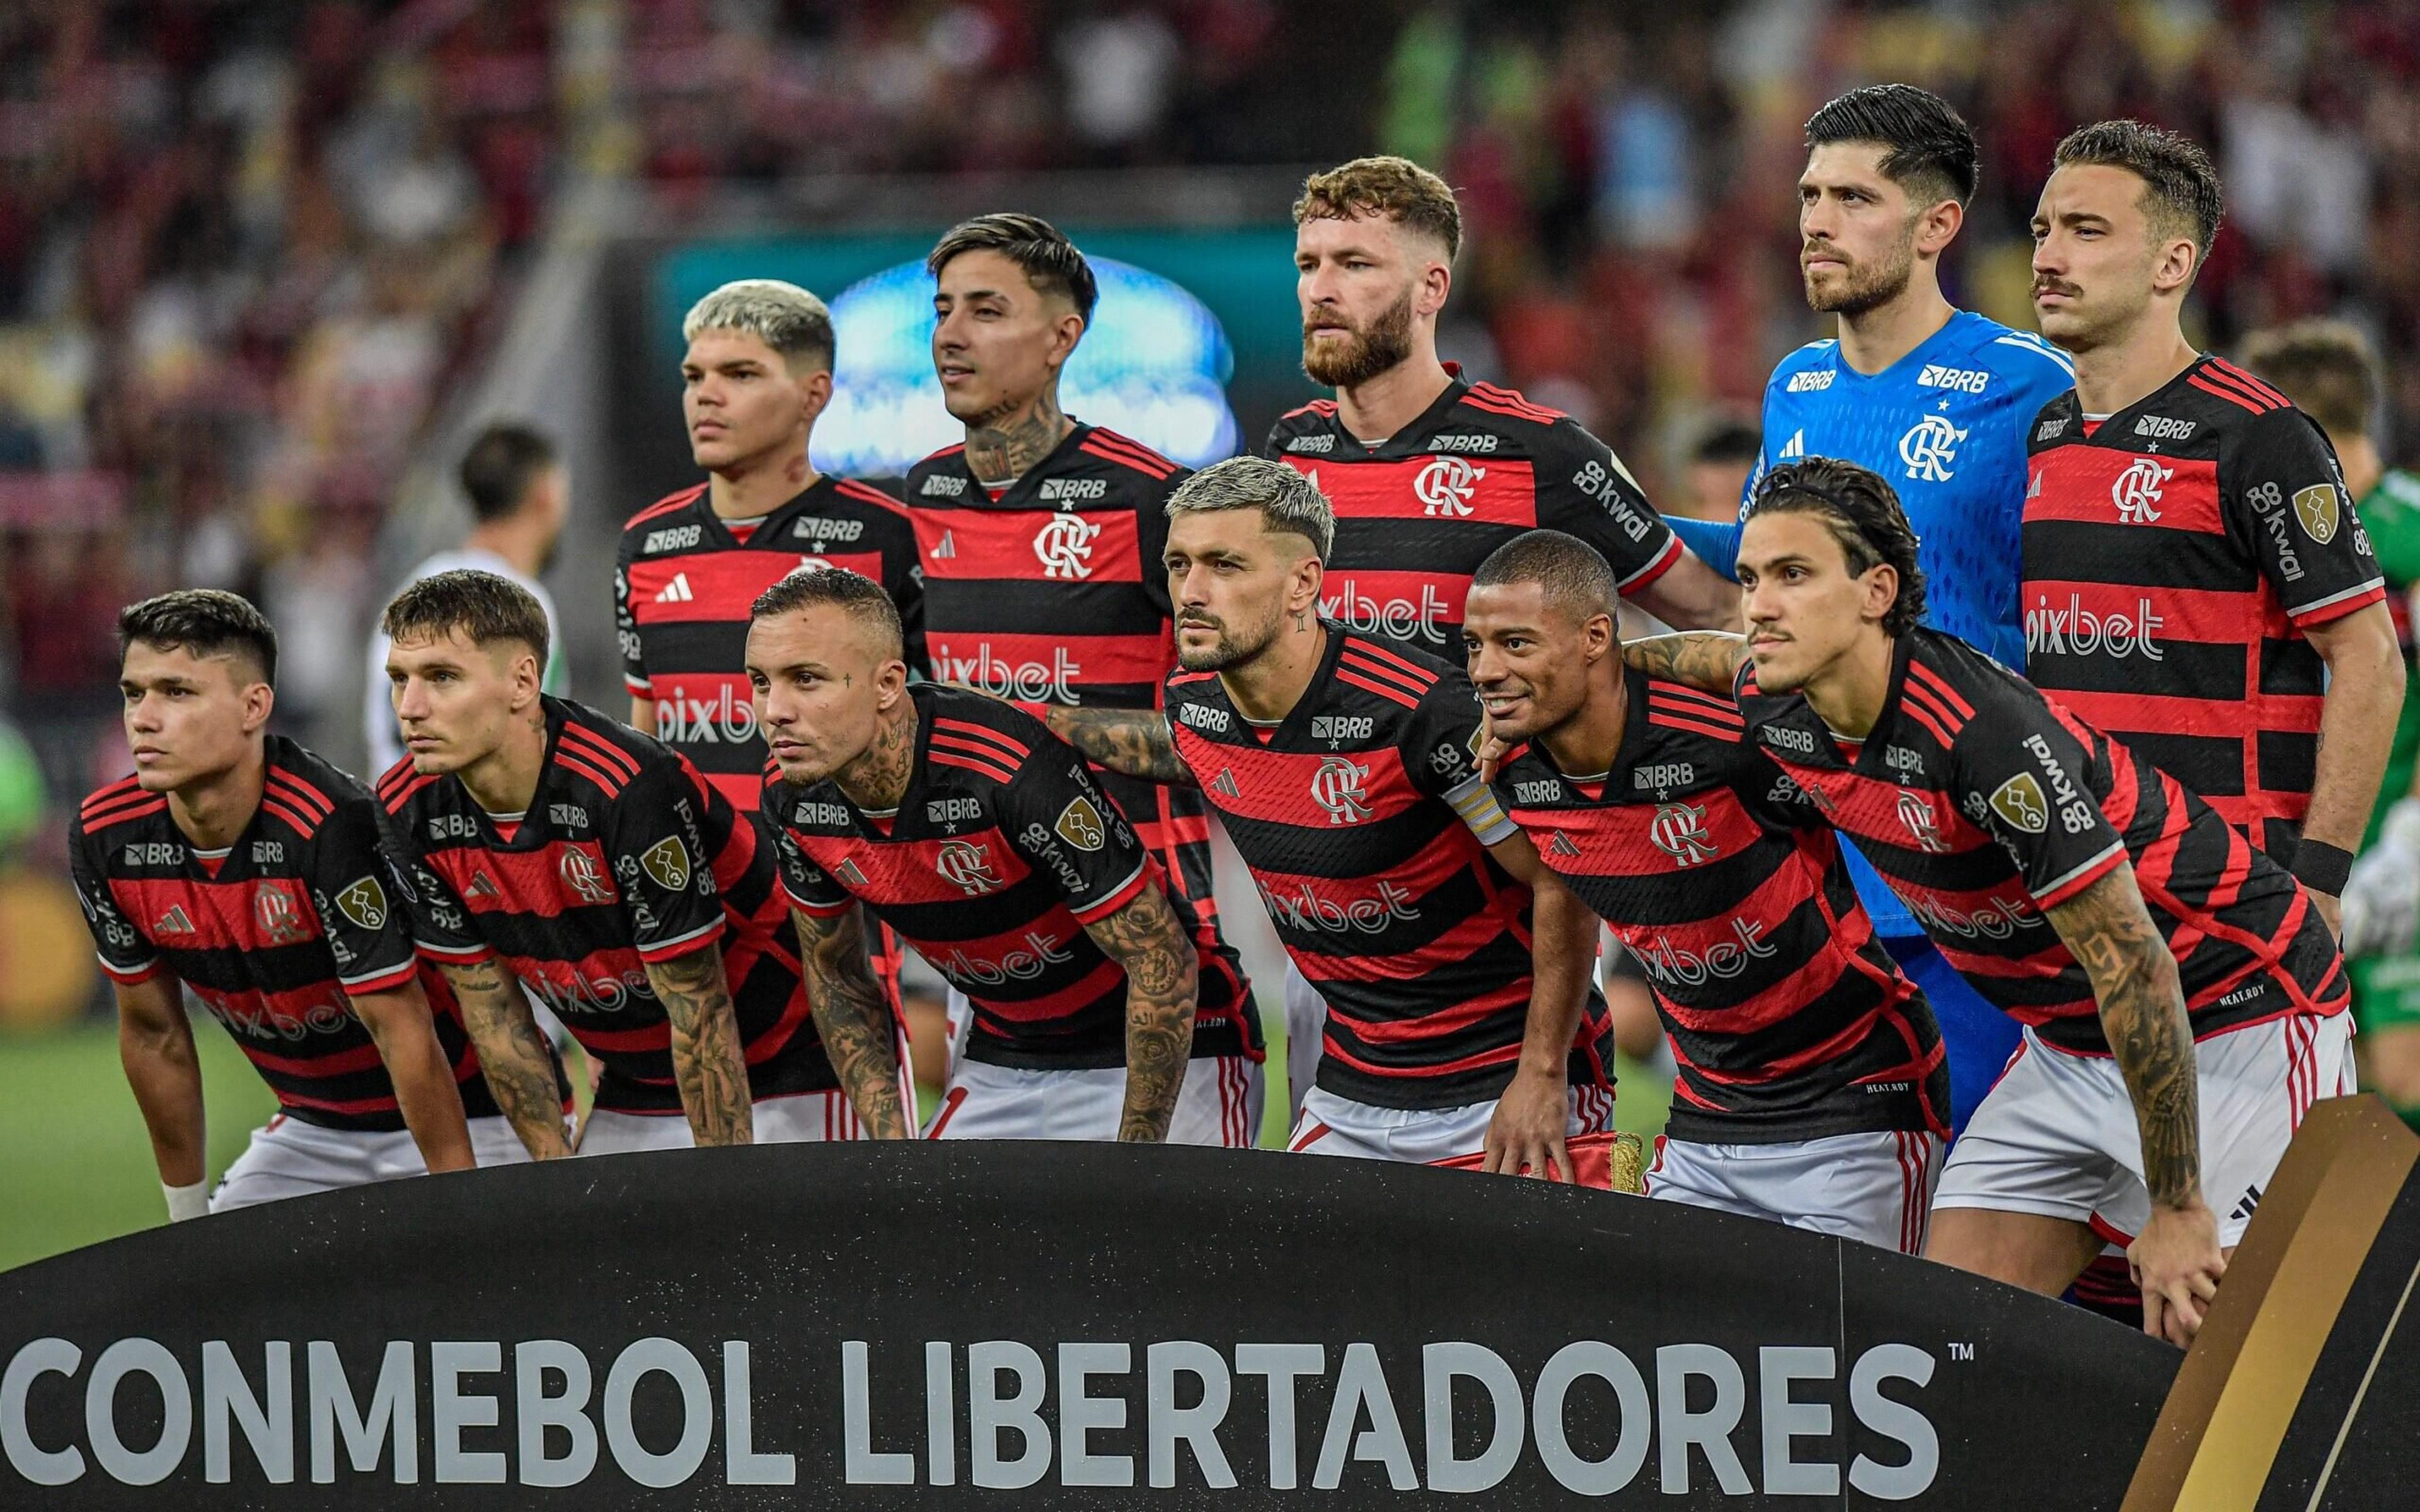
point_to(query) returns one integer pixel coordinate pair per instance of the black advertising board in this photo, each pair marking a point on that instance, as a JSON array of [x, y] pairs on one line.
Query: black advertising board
[[1061, 1326]]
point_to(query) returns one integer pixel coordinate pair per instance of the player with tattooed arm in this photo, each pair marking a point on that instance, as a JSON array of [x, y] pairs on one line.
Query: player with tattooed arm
[[986, 843], [2183, 998]]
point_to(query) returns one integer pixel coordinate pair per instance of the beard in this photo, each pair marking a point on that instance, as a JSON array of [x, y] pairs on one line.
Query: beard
[[1232, 649], [1868, 285], [1386, 342]]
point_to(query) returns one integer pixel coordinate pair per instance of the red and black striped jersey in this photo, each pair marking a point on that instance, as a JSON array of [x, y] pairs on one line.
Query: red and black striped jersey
[[1001, 853], [682, 586], [625, 856], [1789, 1020], [1984, 803], [2174, 554], [1056, 592], [1418, 512], [1366, 825], [275, 934]]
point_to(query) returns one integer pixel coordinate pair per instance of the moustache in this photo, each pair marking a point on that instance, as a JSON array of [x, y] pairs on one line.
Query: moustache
[[2052, 285]]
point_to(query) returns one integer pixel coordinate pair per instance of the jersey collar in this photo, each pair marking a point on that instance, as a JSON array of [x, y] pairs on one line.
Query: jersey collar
[[717, 535], [1411, 438], [1020, 494]]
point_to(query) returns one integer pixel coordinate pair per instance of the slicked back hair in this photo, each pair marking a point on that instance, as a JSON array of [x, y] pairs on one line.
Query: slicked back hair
[[1571, 575], [485, 607], [783, 317], [861, 597], [205, 622], [1289, 504], [1049, 260], [2180, 189], [1861, 510], [1396, 188], [2324, 366], [501, 464], [1928, 150]]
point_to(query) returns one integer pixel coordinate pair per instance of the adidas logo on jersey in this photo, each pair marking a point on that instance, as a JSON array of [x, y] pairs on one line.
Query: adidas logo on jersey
[[1561, 845], [676, 591], [173, 921], [949, 547], [1226, 784], [2244, 1208], [1795, 447], [482, 886]]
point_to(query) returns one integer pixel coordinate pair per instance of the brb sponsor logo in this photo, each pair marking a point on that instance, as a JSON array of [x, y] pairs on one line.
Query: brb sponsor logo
[[726, 717], [1696, 1419], [2136, 491], [1400, 618], [1306, 911], [1032, 682], [1929, 449], [2077, 631], [1336, 787], [1064, 547], [1445, 486], [1963, 379]]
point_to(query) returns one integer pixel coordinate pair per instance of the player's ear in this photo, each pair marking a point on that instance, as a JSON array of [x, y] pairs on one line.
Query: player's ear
[[1066, 332], [2179, 260], [1938, 227], [1436, 283], [1302, 594], [1882, 592], [1598, 636], [259, 701], [815, 392], [889, 682]]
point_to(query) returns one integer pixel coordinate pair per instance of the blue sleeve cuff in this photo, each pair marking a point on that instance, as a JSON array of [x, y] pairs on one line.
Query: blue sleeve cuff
[[1715, 542]]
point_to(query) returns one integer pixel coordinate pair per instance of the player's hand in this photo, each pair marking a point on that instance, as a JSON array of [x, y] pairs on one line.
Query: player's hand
[[2176, 1262], [2381, 900], [1492, 748], [1529, 1128]]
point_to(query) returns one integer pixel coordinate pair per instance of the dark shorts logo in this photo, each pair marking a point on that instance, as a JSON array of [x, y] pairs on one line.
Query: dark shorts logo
[[365, 903]]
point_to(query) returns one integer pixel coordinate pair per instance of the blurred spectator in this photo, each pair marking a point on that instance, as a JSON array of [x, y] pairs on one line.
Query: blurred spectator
[[1719, 462]]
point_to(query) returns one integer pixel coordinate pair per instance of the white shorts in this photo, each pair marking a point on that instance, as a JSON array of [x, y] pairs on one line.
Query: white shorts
[[799, 1118], [288, 1158], [2057, 1135], [1333, 1126], [1218, 1104], [1875, 1186], [1306, 1029]]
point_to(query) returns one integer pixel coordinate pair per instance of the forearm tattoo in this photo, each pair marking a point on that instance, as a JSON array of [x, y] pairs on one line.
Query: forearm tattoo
[[2143, 1014], [1708, 660], [513, 1056], [706, 1059], [1161, 981], [1137, 742], [854, 1019]]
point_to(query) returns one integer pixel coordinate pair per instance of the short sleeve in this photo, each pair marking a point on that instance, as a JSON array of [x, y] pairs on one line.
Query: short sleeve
[[438, 920], [812, 889], [2280, 479], [653, 842], [626, 626], [1440, 750], [2019, 773], [354, 888], [1056, 816], [124, 953], [1584, 489]]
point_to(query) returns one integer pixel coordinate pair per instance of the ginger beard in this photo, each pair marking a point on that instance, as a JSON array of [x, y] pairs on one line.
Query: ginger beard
[[1367, 352]]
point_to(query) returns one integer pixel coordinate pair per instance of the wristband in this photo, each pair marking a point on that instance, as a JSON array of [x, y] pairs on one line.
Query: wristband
[[187, 1201], [2323, 866]]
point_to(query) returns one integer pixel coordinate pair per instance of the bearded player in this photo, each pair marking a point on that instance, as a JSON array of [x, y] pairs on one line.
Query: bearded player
[[1459, 1019], [238, 864]]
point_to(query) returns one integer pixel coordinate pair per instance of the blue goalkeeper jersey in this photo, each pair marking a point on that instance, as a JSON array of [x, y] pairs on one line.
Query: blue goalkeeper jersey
[[1947, 425]]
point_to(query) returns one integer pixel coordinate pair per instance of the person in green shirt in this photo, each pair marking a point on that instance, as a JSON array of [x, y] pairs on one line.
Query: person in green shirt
[[2325, 367]]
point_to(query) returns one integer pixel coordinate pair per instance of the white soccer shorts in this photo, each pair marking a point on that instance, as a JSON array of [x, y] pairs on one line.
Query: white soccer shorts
[[1219, 1103], [288, 1158], [2056, 1134], [798, 1118], [1875, 1186], [1333, 1126]]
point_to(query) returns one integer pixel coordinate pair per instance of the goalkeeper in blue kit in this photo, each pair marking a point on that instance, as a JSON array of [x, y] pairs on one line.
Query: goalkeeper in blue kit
[[1936, 399]]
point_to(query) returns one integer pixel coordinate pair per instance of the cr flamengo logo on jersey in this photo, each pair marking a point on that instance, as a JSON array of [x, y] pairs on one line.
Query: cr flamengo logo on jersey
[[1679, 830], [967, 865], [2137, 491], [1336, 787], [1445, 485], [1929, 447], [1064, 546]]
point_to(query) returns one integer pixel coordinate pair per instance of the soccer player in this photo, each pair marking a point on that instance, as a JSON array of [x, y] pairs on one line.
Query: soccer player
[[2196, 582], [988, 845], [757, 373], [1811, 1088], [551, 845], [2325, 367], [241, 864], [1937, 399], [520, 498], [2183, 1000], [1039, 539], [1345, 769]]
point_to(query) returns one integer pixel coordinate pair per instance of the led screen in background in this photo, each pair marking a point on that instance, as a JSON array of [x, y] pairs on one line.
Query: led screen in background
[[1154, 366]]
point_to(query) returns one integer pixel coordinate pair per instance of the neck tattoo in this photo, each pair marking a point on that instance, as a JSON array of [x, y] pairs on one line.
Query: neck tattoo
[[1002, 448]]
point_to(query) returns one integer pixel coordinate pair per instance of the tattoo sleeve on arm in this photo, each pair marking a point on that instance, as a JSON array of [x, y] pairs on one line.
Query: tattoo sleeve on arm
[[1708, 660], [706, 1059], [1162, 978], [513, 1055], [854, 1019], [2143, 1013], [1137, 742]]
